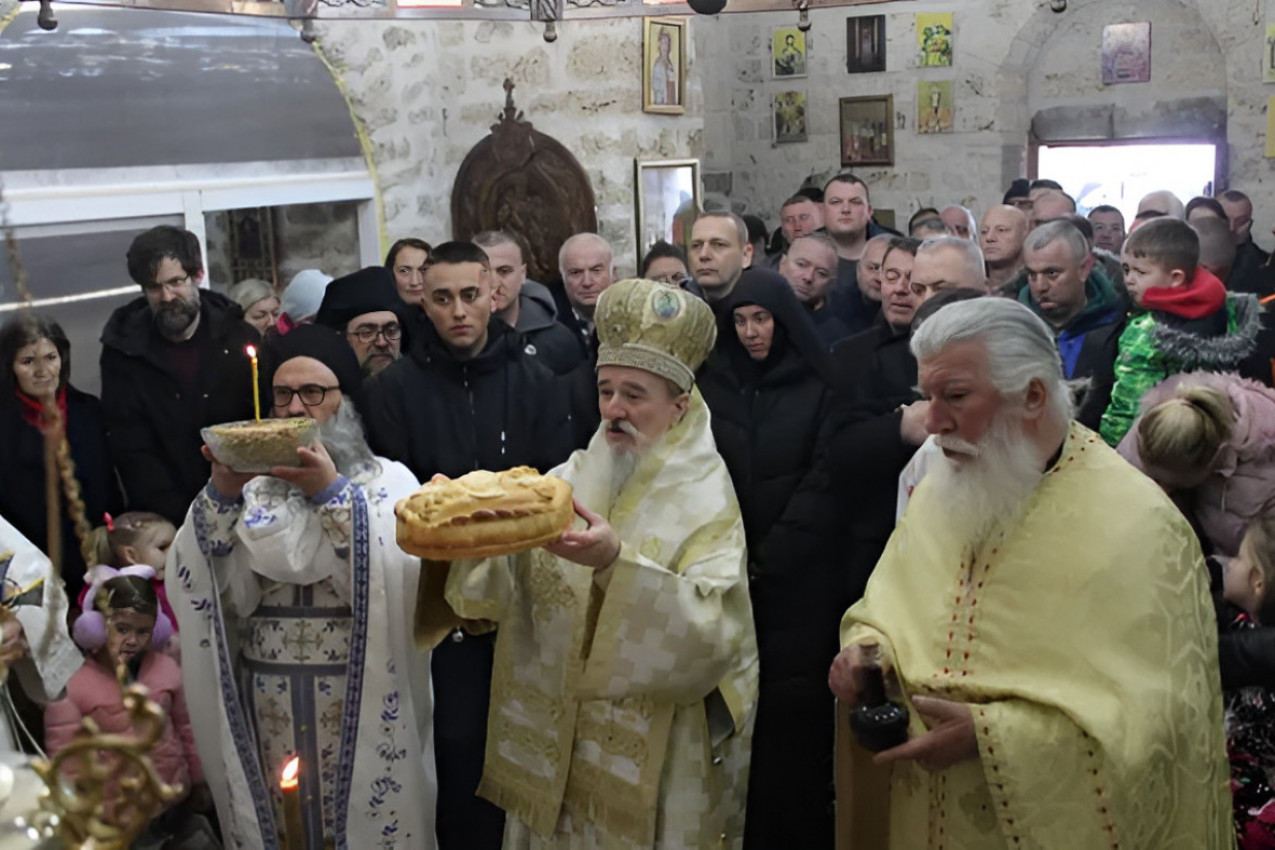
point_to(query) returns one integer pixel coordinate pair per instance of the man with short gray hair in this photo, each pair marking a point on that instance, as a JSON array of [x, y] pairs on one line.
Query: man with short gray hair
[[810, 267], [719, 253], [945, 263], [1022, 719], [959, 222], [1078, 301]]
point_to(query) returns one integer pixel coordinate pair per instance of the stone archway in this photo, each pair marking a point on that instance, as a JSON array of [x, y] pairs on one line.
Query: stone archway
[[1051, 81]]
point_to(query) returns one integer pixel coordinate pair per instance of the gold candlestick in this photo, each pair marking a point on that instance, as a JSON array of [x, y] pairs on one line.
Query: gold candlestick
[[290, 785], [251, 351]]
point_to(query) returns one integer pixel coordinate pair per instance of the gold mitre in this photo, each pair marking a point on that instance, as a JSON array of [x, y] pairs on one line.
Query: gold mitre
[[656, 327]]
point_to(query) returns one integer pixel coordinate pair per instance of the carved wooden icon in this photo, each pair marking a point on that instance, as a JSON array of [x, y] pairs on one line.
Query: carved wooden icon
[[522, 180]]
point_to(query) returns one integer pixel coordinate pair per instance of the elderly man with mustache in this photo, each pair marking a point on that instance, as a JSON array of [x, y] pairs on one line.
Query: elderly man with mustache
[[626, 660], [1071, 696]]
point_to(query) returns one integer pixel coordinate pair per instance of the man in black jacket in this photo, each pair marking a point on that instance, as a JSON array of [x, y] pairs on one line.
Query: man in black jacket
[[172, 363], [878, 421], [528, 306], [465, 397]]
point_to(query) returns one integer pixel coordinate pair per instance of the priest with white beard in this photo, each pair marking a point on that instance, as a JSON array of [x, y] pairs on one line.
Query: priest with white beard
[[1042, 610], [626, 662], [294, 606]]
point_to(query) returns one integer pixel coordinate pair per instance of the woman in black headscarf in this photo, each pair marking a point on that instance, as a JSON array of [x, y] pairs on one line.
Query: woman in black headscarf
[[768, 386]]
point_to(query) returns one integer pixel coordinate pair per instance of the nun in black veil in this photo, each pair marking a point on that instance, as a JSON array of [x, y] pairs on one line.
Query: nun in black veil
[[768, 386]]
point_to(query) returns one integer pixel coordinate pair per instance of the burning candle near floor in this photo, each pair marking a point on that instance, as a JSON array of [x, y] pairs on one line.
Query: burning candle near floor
[[251, 351], [290, 785]]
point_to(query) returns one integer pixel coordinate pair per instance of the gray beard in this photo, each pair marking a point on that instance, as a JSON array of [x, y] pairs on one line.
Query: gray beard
[[172, 322], [343, 437], [984, 496]]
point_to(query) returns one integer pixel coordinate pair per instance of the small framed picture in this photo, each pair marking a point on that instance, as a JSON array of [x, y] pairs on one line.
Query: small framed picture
[[934, 106], [788, 53], [790, 116], [867, 135], [1126, 53], [934, 39], [865, 44], [668, 200], [664, 65]]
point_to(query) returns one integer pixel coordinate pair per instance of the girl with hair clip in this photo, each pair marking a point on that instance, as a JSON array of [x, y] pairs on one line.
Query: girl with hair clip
[[120, 626], [136, 538]]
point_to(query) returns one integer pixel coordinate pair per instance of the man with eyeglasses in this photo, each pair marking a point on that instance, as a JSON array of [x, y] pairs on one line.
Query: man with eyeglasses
[[466, 397], [172, 363], [365, 307], [302, 560], [526, 305]]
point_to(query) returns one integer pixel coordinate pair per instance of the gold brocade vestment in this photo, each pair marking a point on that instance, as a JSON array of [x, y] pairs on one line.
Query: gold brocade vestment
[[622, 701], [1084, 641]]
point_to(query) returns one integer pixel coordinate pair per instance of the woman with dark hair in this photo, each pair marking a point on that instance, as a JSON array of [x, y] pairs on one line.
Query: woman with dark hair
[[406, 259], [36, 358], [768, 387]]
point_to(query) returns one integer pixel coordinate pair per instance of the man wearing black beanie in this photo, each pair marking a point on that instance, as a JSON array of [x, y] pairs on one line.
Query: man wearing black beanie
[[365, 307]]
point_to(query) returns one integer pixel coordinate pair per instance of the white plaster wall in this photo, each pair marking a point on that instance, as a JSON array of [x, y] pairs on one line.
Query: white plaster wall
[[429, 91], [1011, 58]]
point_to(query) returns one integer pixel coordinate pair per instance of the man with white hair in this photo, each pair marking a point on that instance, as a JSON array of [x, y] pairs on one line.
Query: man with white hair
[[587, 265], [294, 610], [1073, 698], [626, 658], [947, 263]]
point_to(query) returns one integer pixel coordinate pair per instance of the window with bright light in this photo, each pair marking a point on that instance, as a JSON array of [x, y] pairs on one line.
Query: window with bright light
[[1120, 175]]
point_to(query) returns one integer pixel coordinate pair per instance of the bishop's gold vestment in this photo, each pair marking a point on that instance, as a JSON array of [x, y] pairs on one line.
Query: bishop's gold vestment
[[1084, 641], [622, 701]]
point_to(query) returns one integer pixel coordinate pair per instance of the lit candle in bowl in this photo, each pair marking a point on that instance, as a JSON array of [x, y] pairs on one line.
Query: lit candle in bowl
[[251, 351], [290, 785]]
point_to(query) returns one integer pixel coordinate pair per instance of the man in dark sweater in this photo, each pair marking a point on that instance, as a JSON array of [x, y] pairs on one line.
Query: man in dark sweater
[[465, 397], [172, 363]]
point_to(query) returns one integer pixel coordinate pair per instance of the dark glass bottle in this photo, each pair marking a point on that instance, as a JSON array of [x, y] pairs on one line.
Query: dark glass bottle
[[878, 723]]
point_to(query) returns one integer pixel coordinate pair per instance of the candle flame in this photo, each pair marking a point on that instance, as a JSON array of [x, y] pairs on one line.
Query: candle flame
[[250, 350], [288, 779]]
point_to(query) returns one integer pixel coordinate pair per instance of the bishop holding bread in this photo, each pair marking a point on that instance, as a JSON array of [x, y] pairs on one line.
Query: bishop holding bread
[[626, 662]]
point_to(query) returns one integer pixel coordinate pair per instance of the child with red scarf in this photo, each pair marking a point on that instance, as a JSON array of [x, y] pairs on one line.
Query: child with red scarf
[[1190, 322]]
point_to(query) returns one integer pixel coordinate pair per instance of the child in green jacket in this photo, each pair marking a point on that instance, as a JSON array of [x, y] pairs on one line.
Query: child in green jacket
[[1190, 322]]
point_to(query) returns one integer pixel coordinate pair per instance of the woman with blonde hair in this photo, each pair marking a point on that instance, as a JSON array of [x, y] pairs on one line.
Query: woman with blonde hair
[[1209, 439]]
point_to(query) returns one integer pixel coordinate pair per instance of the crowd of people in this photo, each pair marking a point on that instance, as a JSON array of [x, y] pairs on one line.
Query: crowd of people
[[954, 434]]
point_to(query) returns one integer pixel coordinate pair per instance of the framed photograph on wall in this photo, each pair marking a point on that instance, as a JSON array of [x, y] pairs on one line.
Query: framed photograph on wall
[[788, 53], [790, 116], [865, 44], [668, 199], [664, 65], [867, 135], [934, 106]]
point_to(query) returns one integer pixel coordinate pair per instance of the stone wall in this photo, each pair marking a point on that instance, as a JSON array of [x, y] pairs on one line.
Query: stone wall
[[427, 92], [1016, 66]]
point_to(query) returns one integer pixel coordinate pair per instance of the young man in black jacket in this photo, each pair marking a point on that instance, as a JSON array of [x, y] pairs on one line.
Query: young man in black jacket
[[465, 397], [172, 362]]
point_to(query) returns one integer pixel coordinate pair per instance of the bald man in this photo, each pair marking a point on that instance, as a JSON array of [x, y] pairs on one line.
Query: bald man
[[1163, 202], [1001, 237]]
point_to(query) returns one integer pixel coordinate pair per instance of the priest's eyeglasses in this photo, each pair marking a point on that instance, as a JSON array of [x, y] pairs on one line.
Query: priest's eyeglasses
[[368, 333], [312, 395]]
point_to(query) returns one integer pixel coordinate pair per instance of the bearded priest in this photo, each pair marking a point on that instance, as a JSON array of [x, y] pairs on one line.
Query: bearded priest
[[626, 662], [1042, 611]]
